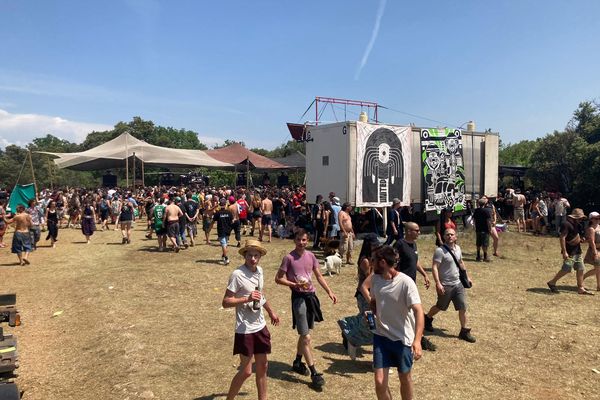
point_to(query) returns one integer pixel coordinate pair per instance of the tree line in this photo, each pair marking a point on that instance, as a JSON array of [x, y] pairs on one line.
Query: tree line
[[15, 163], [566, 161]]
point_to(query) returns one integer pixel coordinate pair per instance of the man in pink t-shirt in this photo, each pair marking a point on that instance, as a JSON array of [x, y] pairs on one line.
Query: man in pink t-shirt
[[296, 271]]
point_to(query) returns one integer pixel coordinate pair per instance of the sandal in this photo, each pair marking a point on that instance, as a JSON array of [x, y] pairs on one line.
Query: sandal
[[552, 287], [585, 292]]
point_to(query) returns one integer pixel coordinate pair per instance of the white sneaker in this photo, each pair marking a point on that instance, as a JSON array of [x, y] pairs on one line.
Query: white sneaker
[[352, 351]]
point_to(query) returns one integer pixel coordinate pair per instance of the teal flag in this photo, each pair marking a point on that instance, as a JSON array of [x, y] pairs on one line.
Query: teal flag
[[21, 195]]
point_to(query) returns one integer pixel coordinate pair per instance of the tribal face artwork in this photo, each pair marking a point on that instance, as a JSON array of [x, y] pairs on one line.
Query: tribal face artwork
[[383, 167], [443, 169]]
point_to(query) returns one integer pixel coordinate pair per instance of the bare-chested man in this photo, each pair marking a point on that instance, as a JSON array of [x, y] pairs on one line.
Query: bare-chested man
[[234, 209], [207, 217], [519, 205], [172, 214], [21, 244], [266, 208], [346, 232]]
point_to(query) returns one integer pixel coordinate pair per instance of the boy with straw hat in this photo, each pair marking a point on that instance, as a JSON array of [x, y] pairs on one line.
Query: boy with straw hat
[[252, 338]]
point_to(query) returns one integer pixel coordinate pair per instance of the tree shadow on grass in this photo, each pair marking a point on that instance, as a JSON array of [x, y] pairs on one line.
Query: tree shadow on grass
[[219, 395]]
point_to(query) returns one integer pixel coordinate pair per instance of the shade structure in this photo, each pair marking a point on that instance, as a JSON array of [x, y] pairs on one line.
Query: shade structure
[[113, 154], [295, 160], [239, 155]]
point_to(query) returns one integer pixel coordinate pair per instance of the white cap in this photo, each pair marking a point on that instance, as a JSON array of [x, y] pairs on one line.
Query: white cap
[[594, 214]]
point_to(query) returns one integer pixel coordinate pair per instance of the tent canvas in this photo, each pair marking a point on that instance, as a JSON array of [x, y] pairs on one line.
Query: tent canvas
[[294, 160], [21, 195], [113, 154], [239, 155]]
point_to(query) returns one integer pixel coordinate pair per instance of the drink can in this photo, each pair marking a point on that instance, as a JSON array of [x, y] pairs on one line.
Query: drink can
[[370, 320]]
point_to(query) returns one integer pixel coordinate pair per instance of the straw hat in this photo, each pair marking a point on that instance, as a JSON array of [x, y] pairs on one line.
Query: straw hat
[[577, 214], [253, 244]]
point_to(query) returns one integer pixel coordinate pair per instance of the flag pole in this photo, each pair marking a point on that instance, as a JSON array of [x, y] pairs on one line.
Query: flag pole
[[33, 175]]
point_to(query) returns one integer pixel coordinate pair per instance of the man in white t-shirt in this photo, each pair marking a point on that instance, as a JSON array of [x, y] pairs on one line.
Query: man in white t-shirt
[[252, 338], [399, 320]]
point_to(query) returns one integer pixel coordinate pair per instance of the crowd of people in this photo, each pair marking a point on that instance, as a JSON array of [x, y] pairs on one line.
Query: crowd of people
[[389, 317]]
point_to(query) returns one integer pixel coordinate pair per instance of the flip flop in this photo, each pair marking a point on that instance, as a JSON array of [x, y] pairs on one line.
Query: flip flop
[[552, 288], [585, 292]]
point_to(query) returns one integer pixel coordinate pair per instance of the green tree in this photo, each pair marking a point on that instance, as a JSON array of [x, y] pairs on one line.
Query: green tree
[[518, 153], [290, 147], [228, 142], [558, 160], [586, 121]]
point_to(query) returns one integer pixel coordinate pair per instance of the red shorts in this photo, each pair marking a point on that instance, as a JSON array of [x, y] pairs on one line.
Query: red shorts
[[249, 344]]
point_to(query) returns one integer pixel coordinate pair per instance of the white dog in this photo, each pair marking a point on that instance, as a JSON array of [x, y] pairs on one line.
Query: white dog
[[333, 263]]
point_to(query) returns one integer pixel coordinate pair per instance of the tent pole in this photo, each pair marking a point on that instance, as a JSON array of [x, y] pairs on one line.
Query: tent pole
[[33, 175], [247, 174], [134, 170], [50, 174], [143, 182], [126, 163]]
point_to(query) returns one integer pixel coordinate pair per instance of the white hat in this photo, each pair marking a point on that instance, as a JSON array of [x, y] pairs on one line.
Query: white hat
[[594, 214]]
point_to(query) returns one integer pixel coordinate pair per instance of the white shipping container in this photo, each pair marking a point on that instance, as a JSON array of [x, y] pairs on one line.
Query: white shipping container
[[331, 157]]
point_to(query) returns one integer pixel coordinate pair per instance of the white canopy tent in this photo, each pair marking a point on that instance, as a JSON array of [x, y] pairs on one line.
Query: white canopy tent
[[118, 151]]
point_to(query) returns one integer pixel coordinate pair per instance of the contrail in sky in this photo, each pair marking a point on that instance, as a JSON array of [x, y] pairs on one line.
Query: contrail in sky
[[373, 38]]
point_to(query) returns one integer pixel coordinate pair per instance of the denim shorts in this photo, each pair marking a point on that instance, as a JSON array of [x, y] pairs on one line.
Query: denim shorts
[[223, 240], [388, 353]]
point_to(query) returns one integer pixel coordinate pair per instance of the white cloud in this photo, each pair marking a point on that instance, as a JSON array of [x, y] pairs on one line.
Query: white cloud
[[21, 129]]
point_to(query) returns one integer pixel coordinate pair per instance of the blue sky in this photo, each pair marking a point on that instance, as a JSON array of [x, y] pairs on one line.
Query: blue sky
[[242, 69]]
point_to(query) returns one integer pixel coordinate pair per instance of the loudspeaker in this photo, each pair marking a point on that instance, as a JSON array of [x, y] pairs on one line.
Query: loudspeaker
[[109, 180]]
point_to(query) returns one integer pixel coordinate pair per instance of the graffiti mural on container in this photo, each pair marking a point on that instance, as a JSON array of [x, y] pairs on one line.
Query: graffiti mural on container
[[443, 169], [382, 165]]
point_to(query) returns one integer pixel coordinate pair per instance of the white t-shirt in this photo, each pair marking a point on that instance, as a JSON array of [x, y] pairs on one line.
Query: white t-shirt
[[242, 282], [394, 299]]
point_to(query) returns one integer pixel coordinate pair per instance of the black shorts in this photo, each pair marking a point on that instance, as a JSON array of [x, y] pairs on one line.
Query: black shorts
[[266, 219], [482, 239], [173, 229], [249, 344]]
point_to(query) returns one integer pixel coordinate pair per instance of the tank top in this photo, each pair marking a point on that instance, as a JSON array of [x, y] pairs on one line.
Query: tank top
[[52, 216], [126, 212]]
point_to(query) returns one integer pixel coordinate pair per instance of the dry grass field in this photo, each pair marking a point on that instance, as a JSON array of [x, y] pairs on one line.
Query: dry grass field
[[139, 324]]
